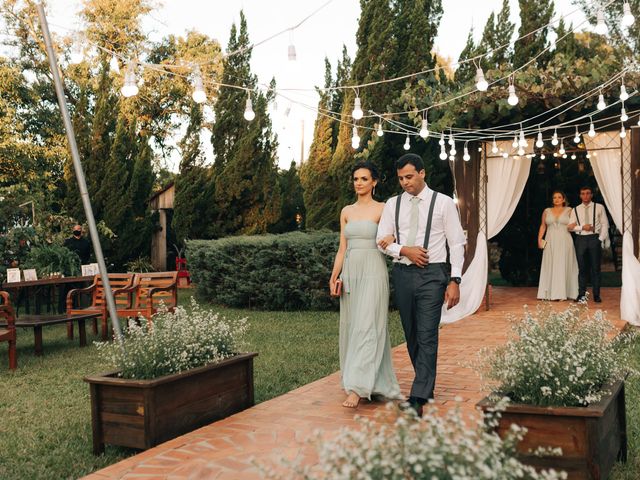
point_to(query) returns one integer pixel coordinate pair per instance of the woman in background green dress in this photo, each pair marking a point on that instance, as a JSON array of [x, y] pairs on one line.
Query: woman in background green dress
[[361, 280]]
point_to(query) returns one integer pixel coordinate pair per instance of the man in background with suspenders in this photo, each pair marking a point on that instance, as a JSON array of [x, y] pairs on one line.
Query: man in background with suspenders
[[590, 224], [423, 223]]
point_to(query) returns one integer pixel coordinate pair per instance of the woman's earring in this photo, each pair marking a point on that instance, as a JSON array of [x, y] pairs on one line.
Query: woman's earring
[[373, 194]]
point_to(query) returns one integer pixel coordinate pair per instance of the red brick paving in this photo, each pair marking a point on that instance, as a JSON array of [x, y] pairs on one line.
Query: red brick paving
[[277, 429]]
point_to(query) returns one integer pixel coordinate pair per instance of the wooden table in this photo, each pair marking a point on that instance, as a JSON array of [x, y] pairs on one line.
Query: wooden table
[[51, 283], [38, 321]]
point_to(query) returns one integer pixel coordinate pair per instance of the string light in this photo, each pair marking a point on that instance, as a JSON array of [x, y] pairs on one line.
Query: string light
[[539, 142], [494, 147], [513, 98], [522, 142], [291, 51], [576, 139], [249, 114], [379, 131], [453, 150], [407, 143], [601, 103], [562, 151], [114, 66], [542, 156], [455, 198], [515, 141], [481, 83], [623, 114], [466, 157], [623, 132], [441, 141], [592, 129], [573, 156], [443, 152], [424, 128], [521, 151], [627, 16], [198, 95], [601, 26], [130, 87], [357, 112], [355, 138], [77, 55], [450, 141], [623, 92], [505, 155], [554, 140]]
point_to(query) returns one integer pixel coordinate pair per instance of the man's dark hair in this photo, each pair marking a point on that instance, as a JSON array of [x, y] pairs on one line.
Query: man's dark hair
[[586, 187], [368, 166], [410, 158]]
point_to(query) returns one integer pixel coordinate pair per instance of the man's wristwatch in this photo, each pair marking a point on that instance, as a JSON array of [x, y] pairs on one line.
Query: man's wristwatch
[[457, 280]]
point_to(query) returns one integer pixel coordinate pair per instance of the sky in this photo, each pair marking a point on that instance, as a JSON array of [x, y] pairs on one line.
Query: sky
[[321, 35]]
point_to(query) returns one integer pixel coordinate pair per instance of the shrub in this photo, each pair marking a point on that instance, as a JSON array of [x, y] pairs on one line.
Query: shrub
[[50, 259], [270, 272], [434, 447], [558, 358], [173, 343]]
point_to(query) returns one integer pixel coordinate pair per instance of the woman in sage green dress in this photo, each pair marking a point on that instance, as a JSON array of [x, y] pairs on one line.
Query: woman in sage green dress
[[361, 279], [559, 269]]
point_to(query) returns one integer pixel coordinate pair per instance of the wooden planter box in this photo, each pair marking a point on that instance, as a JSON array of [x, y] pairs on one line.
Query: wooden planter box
[[144, 413], [592, 438]]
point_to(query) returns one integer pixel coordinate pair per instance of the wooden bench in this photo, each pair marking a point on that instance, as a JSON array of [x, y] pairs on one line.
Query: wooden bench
[[119, 282], [8, 333], [148, 291]]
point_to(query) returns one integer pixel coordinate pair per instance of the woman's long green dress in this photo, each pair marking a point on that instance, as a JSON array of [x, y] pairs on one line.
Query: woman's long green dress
[[365, 348]]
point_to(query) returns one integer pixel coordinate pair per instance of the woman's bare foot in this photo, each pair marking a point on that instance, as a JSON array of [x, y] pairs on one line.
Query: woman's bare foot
[[352, 400]]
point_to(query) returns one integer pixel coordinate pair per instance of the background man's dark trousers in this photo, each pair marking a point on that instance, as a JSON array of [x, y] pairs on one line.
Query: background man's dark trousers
[[589, 254], [419, 294]]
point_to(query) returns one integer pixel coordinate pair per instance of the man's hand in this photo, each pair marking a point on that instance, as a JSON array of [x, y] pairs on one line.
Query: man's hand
[[571, 226], [386, 241], [452, 295], [418, 255], [587, 228]]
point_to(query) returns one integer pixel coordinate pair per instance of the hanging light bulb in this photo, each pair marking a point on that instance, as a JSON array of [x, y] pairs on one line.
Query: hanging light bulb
[[601, 27], [357, 113], [554, 140], [453, 150], [379, 131], [77, 55], [249, 114], [452, 158], [466, 157], [481, 83], [522, 142], [443, 152], [588, 155], [592, 130], [114, 66], [520, 151], [291, 51], [513, 98], [441, 141], [623, 93], [505, 155], [542, 156], [539, 142], [424, 128], [455, 198], [450, 141], [494, 147], [355, 138], [639, 121], [576, 139], [515, 141], [407, 143], [562, 151], [627, 17], [601, 103], [623, 132], [198, 95], [130, 87], [573, 157], [623, 115]]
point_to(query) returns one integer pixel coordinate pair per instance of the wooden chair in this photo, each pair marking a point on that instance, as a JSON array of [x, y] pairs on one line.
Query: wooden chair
[[118, 282], [148, 291], [8, 333]]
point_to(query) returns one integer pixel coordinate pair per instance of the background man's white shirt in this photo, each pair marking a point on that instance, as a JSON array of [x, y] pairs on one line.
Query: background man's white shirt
[[601, 228]]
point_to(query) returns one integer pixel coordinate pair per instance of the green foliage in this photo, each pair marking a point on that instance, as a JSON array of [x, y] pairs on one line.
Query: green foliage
[[292, 213], [534, 16], [270, 272], [140, 265], [53, 259]]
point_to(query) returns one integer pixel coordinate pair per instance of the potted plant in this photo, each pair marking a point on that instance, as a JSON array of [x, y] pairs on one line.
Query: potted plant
[[563, 373], [176, 374], [397, 445]]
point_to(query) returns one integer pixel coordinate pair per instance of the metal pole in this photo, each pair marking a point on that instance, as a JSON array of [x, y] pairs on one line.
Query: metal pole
[[77, 165]]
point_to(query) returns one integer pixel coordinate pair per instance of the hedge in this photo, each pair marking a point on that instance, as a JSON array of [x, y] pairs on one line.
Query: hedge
[[289, 271]]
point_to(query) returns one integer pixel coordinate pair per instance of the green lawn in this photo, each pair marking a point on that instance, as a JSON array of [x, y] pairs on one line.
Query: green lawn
[[46, 429]]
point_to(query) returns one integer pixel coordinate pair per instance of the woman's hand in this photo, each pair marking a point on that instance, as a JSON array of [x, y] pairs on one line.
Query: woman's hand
[[541, 243], [386, 241], [333, 286]]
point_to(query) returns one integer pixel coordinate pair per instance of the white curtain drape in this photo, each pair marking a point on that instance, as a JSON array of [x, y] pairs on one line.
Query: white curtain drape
[[506, 179], [606, 161], [630, 295]]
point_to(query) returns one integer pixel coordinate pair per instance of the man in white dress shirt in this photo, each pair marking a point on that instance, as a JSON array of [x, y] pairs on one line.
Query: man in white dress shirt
[[590, 223], [423, 223]]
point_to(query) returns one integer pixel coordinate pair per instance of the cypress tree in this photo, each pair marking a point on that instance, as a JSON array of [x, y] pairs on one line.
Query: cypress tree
[[503, 34], [534, 14], [193, 205], [567, 45], [466, 72]]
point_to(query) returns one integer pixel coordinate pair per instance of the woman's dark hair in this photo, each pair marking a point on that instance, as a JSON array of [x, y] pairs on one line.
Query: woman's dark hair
[[564, 197], [368, 166], [413, 159]]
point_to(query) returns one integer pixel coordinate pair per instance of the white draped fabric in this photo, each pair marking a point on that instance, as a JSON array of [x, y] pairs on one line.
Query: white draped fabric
[[506, 179], [606, 166], [630, 296]]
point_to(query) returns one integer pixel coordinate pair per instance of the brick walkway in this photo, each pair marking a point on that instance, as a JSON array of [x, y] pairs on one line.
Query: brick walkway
[[277, 429]]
